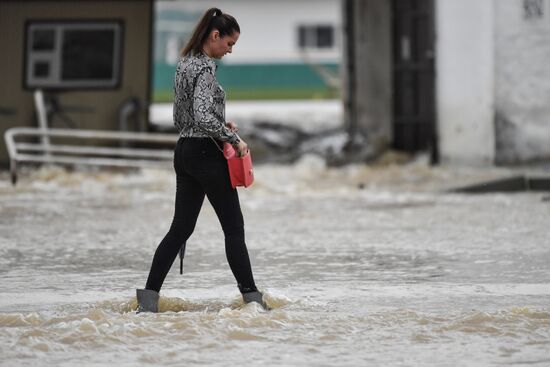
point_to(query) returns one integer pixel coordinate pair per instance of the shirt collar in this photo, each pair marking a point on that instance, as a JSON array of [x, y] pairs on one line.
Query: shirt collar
[[209, 60]]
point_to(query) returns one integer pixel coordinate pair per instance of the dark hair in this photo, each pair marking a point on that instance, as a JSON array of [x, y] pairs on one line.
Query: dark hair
[[213, 18]]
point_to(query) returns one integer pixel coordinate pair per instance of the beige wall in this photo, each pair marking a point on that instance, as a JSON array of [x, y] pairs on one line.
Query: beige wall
[[136, 16]]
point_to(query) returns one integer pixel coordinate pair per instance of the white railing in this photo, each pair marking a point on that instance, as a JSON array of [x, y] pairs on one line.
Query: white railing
[[119, 155], [115, 156]]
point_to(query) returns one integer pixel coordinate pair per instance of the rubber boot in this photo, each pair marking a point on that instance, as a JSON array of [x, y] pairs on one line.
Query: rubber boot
[[148, 300], [255, 296]]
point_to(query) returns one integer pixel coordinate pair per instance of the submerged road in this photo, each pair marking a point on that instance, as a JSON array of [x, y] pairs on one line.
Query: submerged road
[[362, 266]]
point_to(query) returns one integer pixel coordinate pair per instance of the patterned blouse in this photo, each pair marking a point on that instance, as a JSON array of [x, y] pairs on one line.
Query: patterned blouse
[[199, 101]]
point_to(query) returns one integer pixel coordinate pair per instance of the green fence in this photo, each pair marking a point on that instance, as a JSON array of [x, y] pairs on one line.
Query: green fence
[[256, 81]]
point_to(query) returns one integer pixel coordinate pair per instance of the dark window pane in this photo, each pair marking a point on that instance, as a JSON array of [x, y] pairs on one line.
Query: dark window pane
[[302, 37], [325, 37], [403, 5], [43, 39], [423, 40], [424, 5], [41, 69], [88, 54]]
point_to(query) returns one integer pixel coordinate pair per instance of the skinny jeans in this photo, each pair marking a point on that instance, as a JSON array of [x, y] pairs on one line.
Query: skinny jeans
[[201, 170]]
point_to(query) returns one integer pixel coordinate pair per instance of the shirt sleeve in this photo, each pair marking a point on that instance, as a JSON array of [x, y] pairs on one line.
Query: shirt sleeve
[[204, 106]]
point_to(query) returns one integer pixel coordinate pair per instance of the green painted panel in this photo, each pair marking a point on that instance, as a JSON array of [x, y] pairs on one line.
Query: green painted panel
[[163, 76], [270, 76], [252, 76]]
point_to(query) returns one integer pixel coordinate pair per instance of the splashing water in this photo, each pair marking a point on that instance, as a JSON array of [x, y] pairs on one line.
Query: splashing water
[[362, 266]]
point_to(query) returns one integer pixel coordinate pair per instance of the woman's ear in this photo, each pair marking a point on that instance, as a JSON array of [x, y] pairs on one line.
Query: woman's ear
[[215, 34]]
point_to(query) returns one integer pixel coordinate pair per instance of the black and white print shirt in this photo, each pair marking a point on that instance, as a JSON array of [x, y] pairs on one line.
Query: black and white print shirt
[[199, 100]]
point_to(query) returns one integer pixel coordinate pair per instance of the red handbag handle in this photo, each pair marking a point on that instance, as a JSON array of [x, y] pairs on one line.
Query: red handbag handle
[[228, 150]]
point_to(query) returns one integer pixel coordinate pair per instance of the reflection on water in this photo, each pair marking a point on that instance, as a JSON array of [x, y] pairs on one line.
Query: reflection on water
[[361, 265]]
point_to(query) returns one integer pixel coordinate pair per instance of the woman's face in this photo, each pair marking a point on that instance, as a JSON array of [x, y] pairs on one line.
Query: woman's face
[[218, 46]]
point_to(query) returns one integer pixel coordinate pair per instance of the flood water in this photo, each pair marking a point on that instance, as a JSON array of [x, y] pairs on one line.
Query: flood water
[[362, 266]]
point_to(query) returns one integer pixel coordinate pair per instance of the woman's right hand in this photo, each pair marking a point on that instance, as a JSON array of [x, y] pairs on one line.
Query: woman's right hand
[[241, 148]]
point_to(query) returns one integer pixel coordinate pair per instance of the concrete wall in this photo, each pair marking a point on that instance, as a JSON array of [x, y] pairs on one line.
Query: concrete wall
[[522, 82], [465, 81], [492, 81], [136, 15], [368, 97]]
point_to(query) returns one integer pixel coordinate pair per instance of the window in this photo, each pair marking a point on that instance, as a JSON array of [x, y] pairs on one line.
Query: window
[[317, 36], [73, 54]]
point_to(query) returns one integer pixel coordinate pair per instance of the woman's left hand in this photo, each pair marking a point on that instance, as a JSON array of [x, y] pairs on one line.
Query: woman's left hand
[[232, 126]]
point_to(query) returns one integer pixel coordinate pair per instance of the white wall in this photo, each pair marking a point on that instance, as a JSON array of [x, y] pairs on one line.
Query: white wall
[[522, 82], [269, 28], [465, 81]]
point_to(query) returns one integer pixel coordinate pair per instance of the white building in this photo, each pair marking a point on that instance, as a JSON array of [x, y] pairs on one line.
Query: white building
[[280, 45], [494, 80], [468, 80]]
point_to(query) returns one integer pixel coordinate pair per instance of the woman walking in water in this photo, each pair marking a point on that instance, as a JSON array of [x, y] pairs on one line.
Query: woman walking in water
[[201, 169]]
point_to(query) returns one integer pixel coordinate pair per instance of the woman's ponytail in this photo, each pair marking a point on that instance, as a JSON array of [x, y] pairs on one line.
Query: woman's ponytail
[[215, 12], [213, 18]]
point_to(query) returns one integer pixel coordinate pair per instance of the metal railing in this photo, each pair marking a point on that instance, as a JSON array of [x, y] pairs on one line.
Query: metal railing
[[114, 156], [121, 155]]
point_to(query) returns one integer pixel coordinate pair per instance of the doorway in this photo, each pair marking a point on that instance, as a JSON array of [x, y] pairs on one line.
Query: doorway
[[413, 107]]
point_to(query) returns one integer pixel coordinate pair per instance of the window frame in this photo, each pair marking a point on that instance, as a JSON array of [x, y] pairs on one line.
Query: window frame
[[310, 34], [54, 57]]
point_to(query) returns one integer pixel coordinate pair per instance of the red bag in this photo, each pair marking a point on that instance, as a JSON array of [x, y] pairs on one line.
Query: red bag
[[240, 168]]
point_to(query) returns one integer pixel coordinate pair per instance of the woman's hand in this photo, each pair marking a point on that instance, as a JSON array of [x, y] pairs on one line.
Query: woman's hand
[[241, 148], [232, 126]]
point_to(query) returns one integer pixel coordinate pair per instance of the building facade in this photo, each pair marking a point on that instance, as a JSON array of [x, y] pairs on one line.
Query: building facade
[[89, 58], [287, 48], [466, 80]]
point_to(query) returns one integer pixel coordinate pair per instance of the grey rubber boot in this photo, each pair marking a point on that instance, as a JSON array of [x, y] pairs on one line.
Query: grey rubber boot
[[255, 297], [148, 300]]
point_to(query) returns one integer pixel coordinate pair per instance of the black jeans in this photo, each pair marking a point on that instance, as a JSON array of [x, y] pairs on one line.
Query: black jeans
[[201, 169]]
